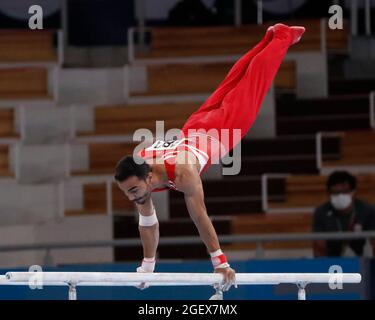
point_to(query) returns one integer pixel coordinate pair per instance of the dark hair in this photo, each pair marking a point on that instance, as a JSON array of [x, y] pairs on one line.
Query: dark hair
[[130, 166], [338, 177]]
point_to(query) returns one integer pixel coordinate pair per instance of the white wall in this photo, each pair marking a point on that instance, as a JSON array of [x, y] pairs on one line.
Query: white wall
[[43, 124], [91, 86], [52, 124], [137, 78], [41, 163], [79, 158], [75, 229], [265, 124], [47, 163], [83, 117], [13, 235], [24, 204], [312, 74], [73, 195]]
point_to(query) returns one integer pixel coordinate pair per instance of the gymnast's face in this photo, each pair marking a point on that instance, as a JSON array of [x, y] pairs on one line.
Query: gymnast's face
[[137, 190]]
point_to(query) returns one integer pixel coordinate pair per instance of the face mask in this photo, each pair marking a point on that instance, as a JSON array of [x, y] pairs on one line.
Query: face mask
[[341, 201]]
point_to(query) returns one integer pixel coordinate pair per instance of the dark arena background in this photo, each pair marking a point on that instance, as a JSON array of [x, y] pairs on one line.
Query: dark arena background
[[78, 78]]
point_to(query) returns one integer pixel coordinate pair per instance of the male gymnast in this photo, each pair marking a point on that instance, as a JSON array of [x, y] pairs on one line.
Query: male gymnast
[[178, 164]]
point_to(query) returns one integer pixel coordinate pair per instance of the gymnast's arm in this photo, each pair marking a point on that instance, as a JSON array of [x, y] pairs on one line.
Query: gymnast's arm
[[148, 229], [189, 182]]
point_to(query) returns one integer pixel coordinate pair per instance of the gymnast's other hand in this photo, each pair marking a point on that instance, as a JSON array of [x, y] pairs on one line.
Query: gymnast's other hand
[[229, 277], [148, 265]]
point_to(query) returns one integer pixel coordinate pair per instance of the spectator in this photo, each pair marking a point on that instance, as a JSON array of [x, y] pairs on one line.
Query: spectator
[[344, 212]]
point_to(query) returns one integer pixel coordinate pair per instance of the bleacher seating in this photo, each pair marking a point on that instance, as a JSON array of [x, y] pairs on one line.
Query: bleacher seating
[[338, 39], [27, 46], [356, 149], [196, 78], [95, 201], [278, 155], [104, 156], [167, 42], [7, 127], [340, 86], [4, 161], [309, 116], [202, 41], [232, 195], [310, 191], [24, 83], [117, 120]]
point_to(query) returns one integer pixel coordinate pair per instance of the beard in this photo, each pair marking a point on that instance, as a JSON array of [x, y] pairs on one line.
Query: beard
[[140, 201], [143, 199]]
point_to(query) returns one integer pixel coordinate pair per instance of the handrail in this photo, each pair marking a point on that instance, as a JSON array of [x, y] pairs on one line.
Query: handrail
[[319, 151], [227, 239], [372, 109], [60, 48], [131, 55], [323, 35]]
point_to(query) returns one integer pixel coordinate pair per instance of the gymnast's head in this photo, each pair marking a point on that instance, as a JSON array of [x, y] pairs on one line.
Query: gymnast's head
[[133, 176]]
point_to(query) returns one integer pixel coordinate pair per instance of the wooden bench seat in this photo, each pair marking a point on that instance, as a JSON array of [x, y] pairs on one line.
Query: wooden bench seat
[[27, 46], [106, 155], [7, 126], [24, 83], [168, 42], [4, 161], [202, 41], [356, 148], [198, 78], [103, 157], [271, 223], [127, 119]]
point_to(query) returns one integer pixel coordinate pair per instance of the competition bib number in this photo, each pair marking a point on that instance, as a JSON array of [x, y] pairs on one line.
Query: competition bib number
[[160, 145]]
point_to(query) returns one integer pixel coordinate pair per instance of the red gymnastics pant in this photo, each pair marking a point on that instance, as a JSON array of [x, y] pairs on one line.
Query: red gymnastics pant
[[237, 100]]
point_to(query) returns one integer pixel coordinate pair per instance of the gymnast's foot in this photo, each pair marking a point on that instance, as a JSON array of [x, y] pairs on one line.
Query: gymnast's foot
[[295, 32], [269, 33]]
